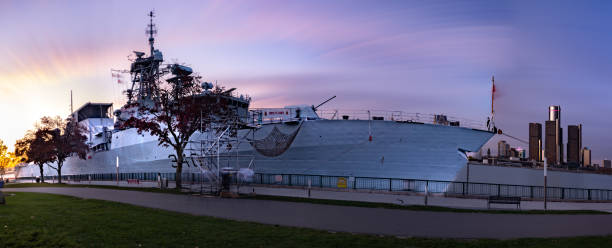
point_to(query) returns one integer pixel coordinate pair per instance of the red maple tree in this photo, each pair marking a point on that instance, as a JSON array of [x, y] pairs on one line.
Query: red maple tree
[[181, 107], [53, 140]]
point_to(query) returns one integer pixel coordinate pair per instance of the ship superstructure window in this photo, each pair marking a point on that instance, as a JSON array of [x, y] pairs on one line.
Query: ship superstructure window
[[94, 110]]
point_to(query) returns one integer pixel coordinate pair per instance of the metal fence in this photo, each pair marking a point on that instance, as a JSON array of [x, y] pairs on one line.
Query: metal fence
[[448, 188]]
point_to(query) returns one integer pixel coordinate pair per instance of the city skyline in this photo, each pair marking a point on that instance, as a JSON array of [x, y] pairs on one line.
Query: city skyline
[[435, 57]]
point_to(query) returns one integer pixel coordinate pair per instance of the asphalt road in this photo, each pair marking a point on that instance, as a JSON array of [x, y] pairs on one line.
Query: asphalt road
[[356, 219]]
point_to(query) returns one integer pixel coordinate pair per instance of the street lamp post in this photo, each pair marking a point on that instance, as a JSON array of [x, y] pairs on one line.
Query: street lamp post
[[467, 179], [117, 170], [545, 183]]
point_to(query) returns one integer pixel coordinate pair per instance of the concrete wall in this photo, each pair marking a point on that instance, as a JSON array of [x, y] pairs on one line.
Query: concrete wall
[[535, 177]]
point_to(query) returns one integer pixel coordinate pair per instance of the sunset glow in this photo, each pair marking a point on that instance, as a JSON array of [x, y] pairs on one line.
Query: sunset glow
[[428, 57]]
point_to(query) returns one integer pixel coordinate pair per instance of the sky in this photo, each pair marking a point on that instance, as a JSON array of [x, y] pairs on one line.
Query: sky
[[412, 56]]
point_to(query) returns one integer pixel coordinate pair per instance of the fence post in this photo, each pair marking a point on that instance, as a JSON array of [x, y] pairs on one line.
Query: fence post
[[589, 190], [290, 179], [390, 184], [426, 191], [498, 189], [531, 191], [562, 193], [463, 188]]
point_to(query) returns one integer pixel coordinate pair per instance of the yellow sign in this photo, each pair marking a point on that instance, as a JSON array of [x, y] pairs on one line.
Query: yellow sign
[[341, 182]]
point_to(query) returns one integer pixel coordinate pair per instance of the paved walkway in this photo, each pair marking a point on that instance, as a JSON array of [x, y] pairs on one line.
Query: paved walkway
[[355, 219], [411, 199], [384, 197]]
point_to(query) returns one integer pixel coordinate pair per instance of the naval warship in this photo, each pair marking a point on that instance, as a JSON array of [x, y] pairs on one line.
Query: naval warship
[[301, 139]]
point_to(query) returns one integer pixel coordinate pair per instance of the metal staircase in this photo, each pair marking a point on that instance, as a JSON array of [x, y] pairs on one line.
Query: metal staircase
[[211, 154]]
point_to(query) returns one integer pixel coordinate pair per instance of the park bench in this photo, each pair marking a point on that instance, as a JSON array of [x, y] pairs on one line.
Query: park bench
[[504, 200], [133, 181]]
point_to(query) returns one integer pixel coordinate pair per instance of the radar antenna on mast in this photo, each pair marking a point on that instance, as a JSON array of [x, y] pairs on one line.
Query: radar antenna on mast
[[151, 31]]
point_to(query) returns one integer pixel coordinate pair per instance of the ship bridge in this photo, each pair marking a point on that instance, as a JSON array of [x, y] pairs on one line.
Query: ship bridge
[[97, 121], [93, 110]]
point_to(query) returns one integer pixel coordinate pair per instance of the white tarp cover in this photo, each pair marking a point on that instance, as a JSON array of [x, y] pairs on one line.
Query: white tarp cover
[[246, 174], [96, 125]]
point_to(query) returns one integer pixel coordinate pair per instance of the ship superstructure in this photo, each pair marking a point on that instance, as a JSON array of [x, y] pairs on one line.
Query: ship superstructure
[[298, 139]]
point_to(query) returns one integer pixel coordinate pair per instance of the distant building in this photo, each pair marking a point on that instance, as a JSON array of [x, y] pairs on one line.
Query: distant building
[[513, 153], [535, 142], [560, 145], [554, 137], [586, 156], [503, 149], [606, 163], [551, 148], [574, 143], [522, 153]]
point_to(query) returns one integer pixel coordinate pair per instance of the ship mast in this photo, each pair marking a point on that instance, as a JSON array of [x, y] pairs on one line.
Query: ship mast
[[151, 31], [146, 71]]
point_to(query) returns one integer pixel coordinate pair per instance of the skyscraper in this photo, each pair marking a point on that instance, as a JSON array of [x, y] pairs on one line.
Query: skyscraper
[[574, 143], [535, 142], [586, 157], [503, 149], [554, 137], [550, 148]]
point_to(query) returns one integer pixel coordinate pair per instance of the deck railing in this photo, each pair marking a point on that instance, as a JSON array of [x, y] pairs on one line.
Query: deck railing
[[288, 115], [439, 119]]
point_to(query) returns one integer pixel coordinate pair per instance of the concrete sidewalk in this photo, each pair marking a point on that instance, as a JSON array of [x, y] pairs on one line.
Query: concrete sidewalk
[[411, 199], [356, 219], [383, 197]]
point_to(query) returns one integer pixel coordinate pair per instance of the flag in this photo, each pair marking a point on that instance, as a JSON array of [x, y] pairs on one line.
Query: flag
[[118, 76]]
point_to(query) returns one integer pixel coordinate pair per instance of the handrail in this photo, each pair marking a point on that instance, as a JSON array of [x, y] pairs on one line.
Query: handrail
[[401, 116], [387, 115]]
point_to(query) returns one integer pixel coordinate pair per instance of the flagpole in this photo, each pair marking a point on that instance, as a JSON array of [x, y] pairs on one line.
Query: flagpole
[[492, 100]]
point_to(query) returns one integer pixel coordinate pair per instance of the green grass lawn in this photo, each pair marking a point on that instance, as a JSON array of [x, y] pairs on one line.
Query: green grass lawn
[[45, 220]]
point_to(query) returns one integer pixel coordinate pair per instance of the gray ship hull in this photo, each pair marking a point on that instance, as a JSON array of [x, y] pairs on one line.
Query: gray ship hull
[[317, 147]]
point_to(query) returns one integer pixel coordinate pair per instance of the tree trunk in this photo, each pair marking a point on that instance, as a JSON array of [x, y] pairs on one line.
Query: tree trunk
[[42, 176], [59, 172], [179, 169]]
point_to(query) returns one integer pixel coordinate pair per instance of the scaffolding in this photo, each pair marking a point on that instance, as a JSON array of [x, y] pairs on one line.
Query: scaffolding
[[214, 159]]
